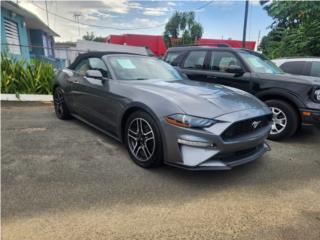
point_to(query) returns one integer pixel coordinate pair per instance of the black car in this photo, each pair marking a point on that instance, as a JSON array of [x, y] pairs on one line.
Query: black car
[[293, 99]]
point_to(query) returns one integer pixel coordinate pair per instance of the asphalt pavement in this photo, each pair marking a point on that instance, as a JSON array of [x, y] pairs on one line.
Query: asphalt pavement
[[65, 180]]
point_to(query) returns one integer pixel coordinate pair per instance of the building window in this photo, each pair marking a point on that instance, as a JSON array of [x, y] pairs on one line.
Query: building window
[[12, 36], [45, 45]]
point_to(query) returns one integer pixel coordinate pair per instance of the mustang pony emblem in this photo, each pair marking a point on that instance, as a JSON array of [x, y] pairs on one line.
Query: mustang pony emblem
[[255, 124]]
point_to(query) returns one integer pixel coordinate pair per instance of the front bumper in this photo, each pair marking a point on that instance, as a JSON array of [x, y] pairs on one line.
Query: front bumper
[[310, 116], [207, 149], [227, 163]]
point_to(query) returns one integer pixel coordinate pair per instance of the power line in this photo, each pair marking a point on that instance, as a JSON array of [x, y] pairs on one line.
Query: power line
[[110, 27], [203, 6], [94, 25]]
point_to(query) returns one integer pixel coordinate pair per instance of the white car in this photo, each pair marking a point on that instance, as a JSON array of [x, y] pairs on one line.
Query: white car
[[300, 65]]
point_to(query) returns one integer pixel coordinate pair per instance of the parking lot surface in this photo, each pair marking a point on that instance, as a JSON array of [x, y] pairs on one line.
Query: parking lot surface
[[65, 180]]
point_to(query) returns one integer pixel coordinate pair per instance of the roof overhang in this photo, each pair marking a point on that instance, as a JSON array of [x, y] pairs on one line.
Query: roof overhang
[[31, 20]]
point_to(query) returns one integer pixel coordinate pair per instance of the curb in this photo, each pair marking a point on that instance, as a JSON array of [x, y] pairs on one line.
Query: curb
[[27, 97]]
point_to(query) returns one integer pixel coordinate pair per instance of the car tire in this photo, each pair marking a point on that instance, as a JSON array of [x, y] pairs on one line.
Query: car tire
[[60, 106], [143, 140], [285, 120]]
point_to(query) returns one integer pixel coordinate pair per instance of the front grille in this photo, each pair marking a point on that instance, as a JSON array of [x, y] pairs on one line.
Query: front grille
[[234, 156], [242, 128]]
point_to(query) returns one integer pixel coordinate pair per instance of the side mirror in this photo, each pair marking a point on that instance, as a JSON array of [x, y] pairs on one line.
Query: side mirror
[[235, 69], [94, 74]]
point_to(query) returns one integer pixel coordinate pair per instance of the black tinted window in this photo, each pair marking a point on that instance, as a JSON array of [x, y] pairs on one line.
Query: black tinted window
[[295, 67], [315, 69], [82, 67], [171, 56], [220, 61], [195, 59], [98, 64]]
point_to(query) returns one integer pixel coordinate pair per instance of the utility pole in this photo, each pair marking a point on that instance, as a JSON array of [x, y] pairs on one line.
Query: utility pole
[[258, 42], [245, 24], [76, 18], [47, 12]]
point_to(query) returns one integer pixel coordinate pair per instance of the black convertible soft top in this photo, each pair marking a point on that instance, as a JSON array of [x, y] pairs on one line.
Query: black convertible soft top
[[97, 55]]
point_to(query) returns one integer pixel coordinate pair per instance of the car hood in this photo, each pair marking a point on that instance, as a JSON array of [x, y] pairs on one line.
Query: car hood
[[202, 99], [290, 78]]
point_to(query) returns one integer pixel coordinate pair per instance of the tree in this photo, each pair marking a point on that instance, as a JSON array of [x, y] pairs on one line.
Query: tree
[[295, 30], [182, 28], [92, 37]]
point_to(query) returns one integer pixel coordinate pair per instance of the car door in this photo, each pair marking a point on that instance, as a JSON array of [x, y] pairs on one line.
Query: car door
[[92, 96], [219, 63], [77, 88], [193, 65]]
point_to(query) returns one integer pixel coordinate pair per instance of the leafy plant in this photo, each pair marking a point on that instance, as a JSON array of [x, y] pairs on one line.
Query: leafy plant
[[92, 37], [20, 76], [182, 28], [295, 30]]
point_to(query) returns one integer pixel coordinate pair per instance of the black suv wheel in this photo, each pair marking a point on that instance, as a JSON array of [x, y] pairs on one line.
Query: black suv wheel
[[285, 119]]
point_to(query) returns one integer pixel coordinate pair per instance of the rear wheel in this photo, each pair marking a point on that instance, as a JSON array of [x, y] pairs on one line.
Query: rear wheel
[[143, 141], [60, 107], [285, 120]]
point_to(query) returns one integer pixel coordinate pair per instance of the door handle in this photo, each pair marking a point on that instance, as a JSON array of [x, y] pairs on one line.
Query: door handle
[[72, 81], [212, 77]]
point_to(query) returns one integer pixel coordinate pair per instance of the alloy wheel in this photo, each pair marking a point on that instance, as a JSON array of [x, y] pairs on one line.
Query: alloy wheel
[[279, 121], [141, 139], [58, 102]]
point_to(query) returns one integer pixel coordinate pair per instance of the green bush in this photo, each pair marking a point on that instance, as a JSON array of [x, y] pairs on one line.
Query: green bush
[[19, 76]]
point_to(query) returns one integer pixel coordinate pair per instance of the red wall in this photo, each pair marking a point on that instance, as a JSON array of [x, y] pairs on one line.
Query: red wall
[[156, 44]]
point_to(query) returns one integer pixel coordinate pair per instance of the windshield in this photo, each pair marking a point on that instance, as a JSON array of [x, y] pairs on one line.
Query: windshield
[[142, 68], [260, 64]]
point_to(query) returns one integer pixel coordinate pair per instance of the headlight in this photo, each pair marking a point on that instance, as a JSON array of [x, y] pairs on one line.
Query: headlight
[[183, 120], [317, 95]]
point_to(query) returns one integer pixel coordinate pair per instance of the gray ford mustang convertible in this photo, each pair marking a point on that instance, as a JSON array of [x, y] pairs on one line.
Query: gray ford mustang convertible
[[161, 116]]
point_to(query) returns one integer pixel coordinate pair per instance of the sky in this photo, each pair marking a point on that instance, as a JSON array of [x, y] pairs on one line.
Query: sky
[[220, 19]]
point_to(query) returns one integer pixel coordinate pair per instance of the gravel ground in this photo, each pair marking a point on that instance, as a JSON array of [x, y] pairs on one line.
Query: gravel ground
[[65, 180]]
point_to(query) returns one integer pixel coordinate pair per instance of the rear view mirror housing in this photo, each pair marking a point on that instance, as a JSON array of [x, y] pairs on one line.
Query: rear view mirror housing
[[96, 74], [235, 69]]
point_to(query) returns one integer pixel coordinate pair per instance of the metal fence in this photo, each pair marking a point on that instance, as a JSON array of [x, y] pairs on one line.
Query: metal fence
[[63, 54], [59, 57]]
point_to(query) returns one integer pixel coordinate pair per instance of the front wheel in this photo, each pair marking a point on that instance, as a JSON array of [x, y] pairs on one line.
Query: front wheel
[[60, 106], [285, 120], [143, 140]]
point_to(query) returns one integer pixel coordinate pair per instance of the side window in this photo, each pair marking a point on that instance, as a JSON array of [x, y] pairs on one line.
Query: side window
[[315, 69], [171, 56], [295, 67], [98, 64], [220, 61], [195, 60], [82, 67]]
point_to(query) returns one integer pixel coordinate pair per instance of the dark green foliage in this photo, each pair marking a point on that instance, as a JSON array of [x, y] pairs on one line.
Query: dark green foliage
[[92, 37], [19, 76], [182, 28], [295, 30]]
